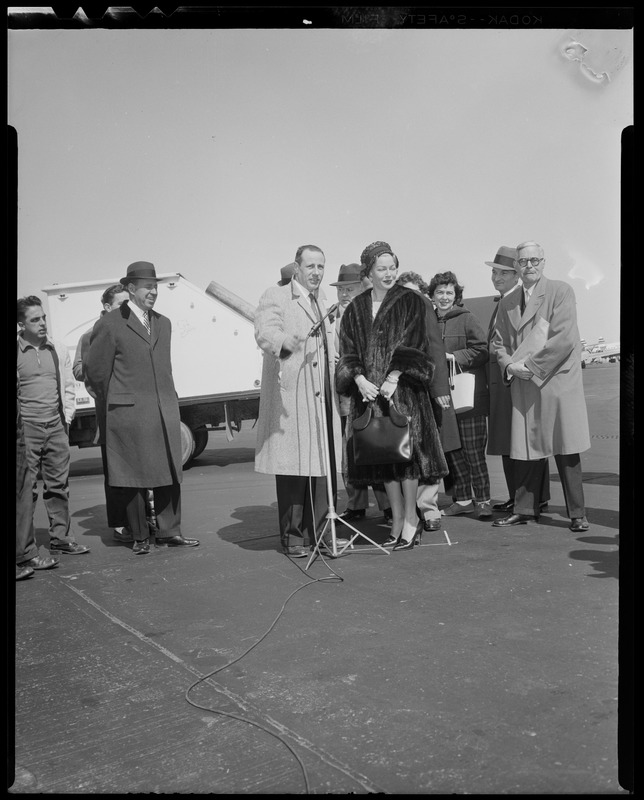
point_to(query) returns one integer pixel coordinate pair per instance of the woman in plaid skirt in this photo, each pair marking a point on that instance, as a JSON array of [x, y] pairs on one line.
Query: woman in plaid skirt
[[466, 343]]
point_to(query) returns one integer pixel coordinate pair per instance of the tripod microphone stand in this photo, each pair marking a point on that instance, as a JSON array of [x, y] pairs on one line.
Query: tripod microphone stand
[[332, 515]]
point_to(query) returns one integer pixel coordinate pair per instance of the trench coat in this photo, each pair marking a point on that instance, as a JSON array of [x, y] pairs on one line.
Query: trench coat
[[499, 423], [549, 415], [136, 402], [290, 427]]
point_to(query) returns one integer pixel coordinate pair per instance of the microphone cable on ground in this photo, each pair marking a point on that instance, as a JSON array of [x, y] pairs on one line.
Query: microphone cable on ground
[[231, 715]]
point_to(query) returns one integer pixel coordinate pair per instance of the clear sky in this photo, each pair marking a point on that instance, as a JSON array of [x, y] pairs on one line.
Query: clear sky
[[215, 153]]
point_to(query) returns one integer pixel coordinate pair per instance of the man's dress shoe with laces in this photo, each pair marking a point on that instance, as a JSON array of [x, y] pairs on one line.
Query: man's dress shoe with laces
[[431, 525], [70, 548], [352, 513], [508, 506], [295, 551], [514, 519], [579, 524], [141, 547], [23, 572], [326, 545], [176, 541], [40, 562]]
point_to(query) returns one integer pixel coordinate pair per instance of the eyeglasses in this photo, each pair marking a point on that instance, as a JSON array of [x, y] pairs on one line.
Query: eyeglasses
[[523, 262]]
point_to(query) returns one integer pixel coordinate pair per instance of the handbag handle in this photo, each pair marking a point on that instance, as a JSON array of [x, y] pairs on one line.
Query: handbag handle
[[399, 419]]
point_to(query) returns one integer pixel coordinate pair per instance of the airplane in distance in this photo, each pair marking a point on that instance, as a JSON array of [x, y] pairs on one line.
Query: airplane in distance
[[599, 351]]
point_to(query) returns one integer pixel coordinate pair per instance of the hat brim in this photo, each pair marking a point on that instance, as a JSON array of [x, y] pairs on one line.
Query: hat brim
[[130, 278], [346, 283], [501, 266]]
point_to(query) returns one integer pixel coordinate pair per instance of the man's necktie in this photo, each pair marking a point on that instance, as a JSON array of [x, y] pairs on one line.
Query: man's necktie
[[146, 321], [522, 301], [316, 307]]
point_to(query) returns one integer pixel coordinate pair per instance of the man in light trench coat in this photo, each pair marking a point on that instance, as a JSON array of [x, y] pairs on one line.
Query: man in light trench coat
[[538, 350], [128, 367], [505, 278], [290, 429]]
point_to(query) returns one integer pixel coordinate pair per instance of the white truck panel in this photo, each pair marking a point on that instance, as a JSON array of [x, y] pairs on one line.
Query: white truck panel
[[213, 345]]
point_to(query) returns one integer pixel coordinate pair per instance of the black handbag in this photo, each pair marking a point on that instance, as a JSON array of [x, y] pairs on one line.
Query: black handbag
[[382, 440]]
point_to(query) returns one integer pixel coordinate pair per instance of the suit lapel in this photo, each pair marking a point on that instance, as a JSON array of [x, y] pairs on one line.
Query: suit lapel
[[304, 303], [154, 327], [135, 325], [534, 303]]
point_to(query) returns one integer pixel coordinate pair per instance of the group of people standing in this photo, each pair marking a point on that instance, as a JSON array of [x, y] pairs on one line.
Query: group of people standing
[[389, 339], [124, 360]]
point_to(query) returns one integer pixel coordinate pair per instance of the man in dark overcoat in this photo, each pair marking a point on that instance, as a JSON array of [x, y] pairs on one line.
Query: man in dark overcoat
[[505, 278], [128, 367], [538, 350]]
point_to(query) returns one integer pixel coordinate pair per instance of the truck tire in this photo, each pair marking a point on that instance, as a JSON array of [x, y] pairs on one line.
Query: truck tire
[[201, 440], [187, 444]]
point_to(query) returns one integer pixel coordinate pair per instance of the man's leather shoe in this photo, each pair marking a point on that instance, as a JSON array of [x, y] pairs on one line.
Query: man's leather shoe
[[579, 524], [326, 545], [123, 535], [141, 547], [432, 525], [176, 541], [352, 513], [509, 506], [295, 551], [23, 572], [513, 519], [40, 562], [71, 548]]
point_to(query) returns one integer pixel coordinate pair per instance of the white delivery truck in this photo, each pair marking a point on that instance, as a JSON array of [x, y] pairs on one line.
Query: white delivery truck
[[216, 362]]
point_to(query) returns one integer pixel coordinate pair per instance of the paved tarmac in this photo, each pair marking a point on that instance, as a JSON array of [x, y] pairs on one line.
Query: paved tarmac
[[483, 662]]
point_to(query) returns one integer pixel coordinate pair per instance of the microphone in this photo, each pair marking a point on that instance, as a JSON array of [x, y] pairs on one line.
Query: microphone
[[314, 330]]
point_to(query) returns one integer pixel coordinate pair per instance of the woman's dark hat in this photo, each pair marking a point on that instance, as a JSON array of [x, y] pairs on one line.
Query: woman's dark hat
[[504, 258], [372, 251], [139, 270], [286, 273], [349, 273]]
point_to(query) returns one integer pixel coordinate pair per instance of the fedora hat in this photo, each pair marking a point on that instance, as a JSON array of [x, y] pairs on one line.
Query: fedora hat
[[349, 273], [286, 273], [504, 258], [139, 270]]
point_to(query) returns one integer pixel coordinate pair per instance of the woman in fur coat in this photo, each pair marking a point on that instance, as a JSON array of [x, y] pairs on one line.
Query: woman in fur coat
[[384, 355]]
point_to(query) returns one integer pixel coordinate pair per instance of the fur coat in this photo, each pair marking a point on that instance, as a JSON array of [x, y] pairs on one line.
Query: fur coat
[[395, 340]]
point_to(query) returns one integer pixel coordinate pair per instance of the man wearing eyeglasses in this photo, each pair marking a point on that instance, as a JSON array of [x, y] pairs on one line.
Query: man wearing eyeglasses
[[538, 350]]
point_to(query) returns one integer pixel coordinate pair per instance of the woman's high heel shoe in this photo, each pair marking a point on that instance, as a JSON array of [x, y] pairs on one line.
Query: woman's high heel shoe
[[391, 540], [403, 544]]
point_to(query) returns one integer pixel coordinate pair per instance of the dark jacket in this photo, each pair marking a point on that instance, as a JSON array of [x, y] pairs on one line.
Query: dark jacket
[[373, 347], [463, 335], [136, 402], [445, 417]]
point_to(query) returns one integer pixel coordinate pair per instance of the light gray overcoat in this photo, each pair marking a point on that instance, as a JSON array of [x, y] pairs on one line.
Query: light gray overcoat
[[499, 421], [549, 414], [289, 429]]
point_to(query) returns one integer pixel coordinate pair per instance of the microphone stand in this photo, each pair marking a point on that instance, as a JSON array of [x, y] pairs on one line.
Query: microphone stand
[[332, 516]]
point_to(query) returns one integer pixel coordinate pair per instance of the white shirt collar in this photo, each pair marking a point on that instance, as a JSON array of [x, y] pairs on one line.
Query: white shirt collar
[[139, 312], [303, 290]]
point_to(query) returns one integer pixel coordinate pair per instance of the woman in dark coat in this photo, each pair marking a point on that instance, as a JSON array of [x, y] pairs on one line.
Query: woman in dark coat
[[466, 341], [384, 354]]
